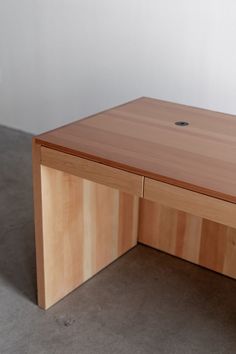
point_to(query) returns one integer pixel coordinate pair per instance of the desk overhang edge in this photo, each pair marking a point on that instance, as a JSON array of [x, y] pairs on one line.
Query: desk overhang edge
[[133, 169]]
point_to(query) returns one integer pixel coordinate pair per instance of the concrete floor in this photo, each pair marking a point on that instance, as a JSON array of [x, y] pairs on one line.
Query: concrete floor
[[146, 302]]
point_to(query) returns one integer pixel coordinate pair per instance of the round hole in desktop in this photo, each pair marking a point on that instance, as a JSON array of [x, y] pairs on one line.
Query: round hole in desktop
[[181, 123]]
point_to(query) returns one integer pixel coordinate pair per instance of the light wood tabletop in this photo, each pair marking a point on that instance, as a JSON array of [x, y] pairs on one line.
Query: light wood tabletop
[[142, 137]]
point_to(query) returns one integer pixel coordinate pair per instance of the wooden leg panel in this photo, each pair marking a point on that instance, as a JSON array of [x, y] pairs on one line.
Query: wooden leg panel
[[192, 238], [85, 226]]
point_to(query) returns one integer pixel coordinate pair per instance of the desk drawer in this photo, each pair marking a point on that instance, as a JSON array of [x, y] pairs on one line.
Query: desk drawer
[[190, 202], [93, 171]]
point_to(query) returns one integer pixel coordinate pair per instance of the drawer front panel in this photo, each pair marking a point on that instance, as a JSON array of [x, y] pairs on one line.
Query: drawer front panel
[[190, 202], [93, 171]]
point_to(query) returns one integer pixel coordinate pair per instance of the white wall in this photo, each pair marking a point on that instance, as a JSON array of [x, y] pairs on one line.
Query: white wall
[[64, 59]]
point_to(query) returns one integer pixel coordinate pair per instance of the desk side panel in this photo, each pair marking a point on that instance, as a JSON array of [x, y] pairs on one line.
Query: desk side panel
[[86, 226]]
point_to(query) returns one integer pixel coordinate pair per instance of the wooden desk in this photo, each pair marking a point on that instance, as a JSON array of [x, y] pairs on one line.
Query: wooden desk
[[129, 175]]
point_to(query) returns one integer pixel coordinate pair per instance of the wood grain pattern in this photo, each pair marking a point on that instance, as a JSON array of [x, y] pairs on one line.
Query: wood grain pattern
[[198, 240], [191, 202], [86, 226], [93, 171], [141, 137]]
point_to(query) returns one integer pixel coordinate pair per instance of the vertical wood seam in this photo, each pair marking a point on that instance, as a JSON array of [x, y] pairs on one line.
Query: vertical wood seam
[[143, 182]]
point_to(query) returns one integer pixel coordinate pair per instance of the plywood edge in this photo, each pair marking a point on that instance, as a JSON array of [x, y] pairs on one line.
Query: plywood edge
[[36, 164]]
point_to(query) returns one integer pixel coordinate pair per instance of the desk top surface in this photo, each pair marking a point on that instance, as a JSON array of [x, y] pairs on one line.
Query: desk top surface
[[142, 137]]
